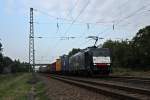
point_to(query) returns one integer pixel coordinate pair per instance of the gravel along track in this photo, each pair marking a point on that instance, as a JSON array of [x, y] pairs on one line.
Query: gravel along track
[[115, 90], [58, 90]]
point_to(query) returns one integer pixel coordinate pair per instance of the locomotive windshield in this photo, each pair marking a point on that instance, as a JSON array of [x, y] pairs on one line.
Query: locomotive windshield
[[101, 52]]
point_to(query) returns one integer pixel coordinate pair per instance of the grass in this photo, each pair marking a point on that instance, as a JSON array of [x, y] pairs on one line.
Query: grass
[[130, 72], [40, 90], [14, 86], [17, 87]]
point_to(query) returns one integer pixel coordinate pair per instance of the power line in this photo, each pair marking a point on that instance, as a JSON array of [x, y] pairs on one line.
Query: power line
[[126, 17], [133, 13], [83, 9], [77, 22], [79, 15], [60, 37], [128, 23], [70, 20], [73, 22], [52, 16], [111, 21], [70, 12], [59, 18]]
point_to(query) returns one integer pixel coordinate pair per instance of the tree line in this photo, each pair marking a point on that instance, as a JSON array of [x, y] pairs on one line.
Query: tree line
[[7, 65], [134, 53]]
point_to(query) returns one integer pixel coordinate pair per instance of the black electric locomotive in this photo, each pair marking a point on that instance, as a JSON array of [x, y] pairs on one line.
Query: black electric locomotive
[[92, 60]]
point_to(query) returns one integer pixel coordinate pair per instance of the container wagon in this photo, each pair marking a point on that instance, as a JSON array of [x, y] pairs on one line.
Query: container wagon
[[53, 67], [64, 64], [58, 66]]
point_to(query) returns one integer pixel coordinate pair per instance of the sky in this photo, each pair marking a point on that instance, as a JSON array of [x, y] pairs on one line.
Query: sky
[[67, 18]]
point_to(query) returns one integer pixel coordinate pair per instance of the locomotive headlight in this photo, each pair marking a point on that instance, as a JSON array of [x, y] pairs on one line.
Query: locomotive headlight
[[108, 64]]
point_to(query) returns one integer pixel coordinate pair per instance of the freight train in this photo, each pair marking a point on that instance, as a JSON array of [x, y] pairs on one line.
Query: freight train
[[89, 61]]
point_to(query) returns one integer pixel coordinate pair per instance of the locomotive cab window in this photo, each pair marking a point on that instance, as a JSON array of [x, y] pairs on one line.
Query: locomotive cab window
[[101, 52]]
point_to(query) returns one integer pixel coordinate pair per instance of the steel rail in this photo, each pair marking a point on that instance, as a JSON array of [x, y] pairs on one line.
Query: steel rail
[[103, 88]]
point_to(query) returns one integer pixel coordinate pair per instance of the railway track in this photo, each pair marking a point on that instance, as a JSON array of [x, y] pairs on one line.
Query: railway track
[[114, 90], [124, 77], [130, 78], [138, 81]]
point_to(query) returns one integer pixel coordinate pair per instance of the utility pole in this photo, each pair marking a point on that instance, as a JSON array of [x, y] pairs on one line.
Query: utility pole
[[31, 43]]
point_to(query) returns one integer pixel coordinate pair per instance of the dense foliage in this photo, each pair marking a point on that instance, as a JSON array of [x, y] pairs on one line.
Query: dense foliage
[[1, 58], [134, 53], [74, 51], [7, 65]]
